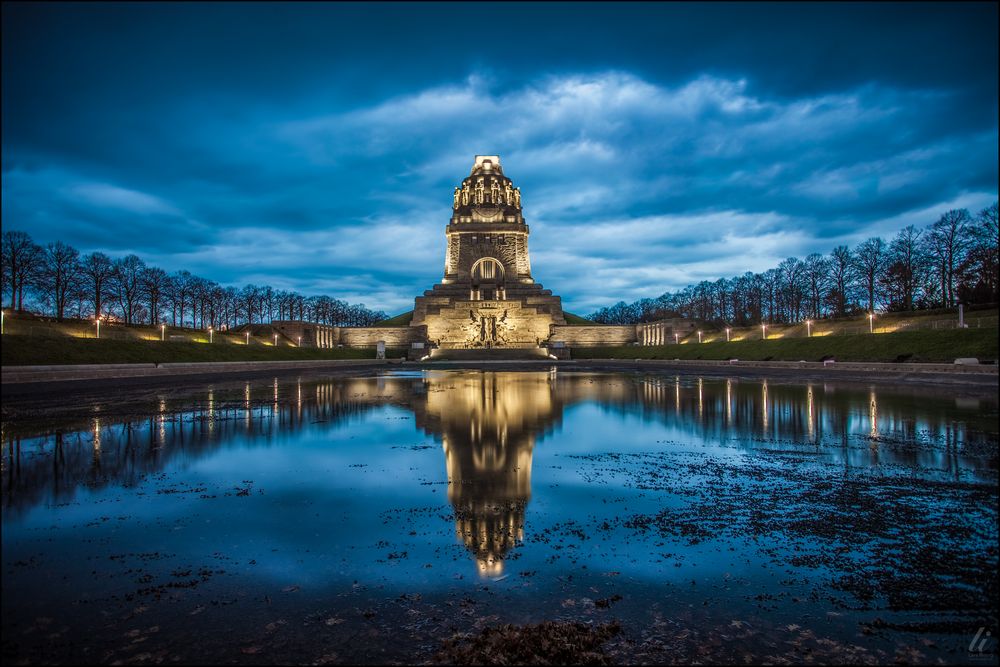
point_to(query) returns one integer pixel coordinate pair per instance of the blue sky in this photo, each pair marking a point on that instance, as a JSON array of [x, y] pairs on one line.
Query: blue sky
[[315, 146]]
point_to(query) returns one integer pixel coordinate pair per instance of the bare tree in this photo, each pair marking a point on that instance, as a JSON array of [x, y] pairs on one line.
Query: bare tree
[[905, 265], [946, 242], [978, 272], [59, 275], [154, 282], [816, 269], [22, 259], [126, 285], [97, 270], [869, 261]]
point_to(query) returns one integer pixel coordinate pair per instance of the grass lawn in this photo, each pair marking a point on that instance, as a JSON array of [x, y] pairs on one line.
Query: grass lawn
[[401, 320], [913, 346], [26, 350], [576, 320]]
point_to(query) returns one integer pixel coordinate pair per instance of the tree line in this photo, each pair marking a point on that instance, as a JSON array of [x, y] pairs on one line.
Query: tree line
[[953, 260], [56, 279]]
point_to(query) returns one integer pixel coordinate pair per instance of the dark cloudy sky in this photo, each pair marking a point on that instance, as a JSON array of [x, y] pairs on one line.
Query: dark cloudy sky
[[315, 146]]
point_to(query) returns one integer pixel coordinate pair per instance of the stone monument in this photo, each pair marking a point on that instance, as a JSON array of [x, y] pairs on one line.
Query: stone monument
[[487, 298]]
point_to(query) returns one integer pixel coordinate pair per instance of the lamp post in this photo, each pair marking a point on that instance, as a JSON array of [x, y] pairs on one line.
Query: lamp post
[[276, 340], [3, 316], [809, 328], [676, 339], [98, 323], [699, 336], [871, 322], [727, 334], [211, 337], [763, 331], [248, 336], [299, 343], [163, 332]]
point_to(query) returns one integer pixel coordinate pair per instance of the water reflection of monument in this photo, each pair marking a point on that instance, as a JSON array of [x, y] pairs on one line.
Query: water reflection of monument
[[488, 423]]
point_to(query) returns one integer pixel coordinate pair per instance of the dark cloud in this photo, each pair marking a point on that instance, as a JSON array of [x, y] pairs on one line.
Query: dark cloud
[[314, 146]]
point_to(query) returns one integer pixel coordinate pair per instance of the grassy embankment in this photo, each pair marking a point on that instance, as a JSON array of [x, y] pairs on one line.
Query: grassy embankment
[[905, 346], [25, 350]]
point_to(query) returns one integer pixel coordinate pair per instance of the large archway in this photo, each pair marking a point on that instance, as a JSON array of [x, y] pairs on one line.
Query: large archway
[[488, 279]]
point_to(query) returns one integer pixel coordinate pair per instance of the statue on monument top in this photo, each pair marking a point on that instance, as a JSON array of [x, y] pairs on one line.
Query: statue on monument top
[[465, 194], [480, 192], [458, 197], [508, 193], [494, 192], [517, 197]]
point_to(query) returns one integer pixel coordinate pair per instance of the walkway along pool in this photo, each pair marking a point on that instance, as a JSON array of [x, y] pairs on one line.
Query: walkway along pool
[[327, 518]]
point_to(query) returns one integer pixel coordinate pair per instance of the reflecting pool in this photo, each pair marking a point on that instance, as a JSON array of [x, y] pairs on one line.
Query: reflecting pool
[[325, 519]]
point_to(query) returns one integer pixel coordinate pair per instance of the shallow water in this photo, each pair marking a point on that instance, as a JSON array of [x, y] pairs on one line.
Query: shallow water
[[368, 518]]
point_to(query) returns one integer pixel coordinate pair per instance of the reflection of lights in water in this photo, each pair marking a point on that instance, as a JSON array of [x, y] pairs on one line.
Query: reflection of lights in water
[[274, 406], [298, 400], [97, 439], [763, 402], [677, 394], [163, 422], [729, 402], [699, 398], [211, 410], [873, 414], [809, 410], [246, 402]]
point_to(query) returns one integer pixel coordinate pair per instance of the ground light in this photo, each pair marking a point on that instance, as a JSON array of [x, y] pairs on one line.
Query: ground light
[[98, 323], [727, 334], [676, 339], [871, 322], [163, 332], [276, 340], [699, 336], [763, 332], [210, 335], [299, 343], [248, 337], [809, 324]]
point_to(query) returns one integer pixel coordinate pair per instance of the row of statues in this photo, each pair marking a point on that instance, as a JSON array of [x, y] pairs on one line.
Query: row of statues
[[508, 195]]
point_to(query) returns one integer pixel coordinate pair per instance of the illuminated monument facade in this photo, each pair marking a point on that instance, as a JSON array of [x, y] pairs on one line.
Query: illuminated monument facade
[[487, 298]]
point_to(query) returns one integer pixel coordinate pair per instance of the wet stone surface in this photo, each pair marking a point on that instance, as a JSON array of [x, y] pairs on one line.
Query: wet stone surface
[[496, 518]]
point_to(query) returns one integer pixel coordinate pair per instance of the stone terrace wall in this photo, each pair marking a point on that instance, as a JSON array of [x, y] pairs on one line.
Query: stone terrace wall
[[597, 335], [370, 336]]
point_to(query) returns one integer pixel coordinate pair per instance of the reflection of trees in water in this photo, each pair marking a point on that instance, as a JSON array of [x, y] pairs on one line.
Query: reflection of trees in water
[[731, 411], [488, 424], [51, 468]]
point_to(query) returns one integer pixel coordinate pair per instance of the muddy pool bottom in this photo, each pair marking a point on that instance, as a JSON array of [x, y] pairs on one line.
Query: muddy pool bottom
[[440, 516]]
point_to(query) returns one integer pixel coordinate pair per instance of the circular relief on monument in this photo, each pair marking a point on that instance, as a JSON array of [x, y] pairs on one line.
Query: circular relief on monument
[[486, 213]]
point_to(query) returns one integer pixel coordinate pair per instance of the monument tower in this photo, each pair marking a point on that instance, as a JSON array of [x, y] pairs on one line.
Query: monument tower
[[487, 297]]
